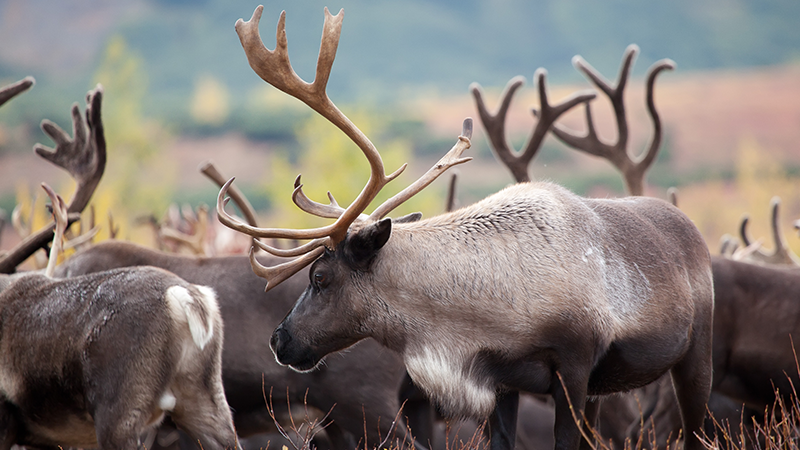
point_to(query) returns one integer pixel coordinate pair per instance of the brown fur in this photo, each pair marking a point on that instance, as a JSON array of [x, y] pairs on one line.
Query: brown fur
[[755, 319], [96, 360], [508, 293]]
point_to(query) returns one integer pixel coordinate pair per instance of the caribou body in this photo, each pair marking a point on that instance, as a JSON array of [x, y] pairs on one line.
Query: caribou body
[[529, 285], [96, 360]]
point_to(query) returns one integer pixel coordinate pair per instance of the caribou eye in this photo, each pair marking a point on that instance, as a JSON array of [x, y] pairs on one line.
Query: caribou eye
[[319, 278]]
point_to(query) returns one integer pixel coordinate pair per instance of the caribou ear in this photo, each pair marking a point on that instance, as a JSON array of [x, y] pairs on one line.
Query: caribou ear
[[408, 218], [365, 243]]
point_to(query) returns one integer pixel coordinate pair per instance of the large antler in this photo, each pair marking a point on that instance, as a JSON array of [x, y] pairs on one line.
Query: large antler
[[495, 123], [83, 156], [633, 169], [781, 253], [274, 67]]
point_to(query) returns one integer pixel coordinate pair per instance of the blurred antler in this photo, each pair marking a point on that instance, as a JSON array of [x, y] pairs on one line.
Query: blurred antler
[[781, 253], [59, 209], [633, 170], [195, 240], [12, 90], [450, 205], [83, 156], [495, 124]]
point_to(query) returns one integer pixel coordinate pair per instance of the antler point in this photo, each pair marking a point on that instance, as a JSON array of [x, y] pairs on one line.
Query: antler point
[[466, 128]]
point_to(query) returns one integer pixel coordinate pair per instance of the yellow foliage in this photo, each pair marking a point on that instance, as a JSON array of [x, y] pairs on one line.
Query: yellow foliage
[[139, 178], [210, 101], [717, 207], [329, 161], [264, 97]]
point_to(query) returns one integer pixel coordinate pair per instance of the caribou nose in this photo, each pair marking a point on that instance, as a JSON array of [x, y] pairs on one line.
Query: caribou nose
[[280, 338]]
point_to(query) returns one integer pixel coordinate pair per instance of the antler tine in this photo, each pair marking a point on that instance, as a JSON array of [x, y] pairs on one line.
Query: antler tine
[[649, 156], [450, 159], [23, 229], [633, 170], [14, 89], [112, 229], [280, 233], [743, 230], [292, 252], [672, 194], [60, 218], [330, 211], [494, 124], [274, 67], [548, 114], [276, 274], [728, 245], [450, 205], [210, 170], [781, 253]]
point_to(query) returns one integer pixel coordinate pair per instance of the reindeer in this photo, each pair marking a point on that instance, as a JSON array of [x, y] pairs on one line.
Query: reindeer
[[755, 308], [533, 288], [94, 361]]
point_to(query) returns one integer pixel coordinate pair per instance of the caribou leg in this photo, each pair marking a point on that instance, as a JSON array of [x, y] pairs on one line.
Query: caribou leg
[[503, 421], [692, 380], [569, 395], [418, 411]]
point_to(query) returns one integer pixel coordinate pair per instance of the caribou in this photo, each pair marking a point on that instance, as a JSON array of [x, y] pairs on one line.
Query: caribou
[[755, 299], [531, 289], [94, 361], [97, 360]]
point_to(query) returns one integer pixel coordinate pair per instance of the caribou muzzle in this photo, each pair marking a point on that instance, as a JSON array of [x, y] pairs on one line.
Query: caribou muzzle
[[290, 352]]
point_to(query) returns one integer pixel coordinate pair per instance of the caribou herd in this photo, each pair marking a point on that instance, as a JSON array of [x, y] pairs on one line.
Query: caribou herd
[[609, 315]]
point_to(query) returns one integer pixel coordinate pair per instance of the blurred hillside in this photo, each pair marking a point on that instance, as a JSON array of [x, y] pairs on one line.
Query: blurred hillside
[[388, 49]]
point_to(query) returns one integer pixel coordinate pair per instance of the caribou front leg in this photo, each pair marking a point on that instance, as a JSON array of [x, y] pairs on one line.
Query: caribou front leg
[[503, 421]]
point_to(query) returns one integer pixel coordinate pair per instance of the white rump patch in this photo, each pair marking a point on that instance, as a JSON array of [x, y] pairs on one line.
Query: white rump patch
[[167, 401], [200, 317], [443, 376]]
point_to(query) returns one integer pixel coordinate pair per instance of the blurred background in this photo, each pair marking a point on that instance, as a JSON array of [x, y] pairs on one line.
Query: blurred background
[[179, 91]]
